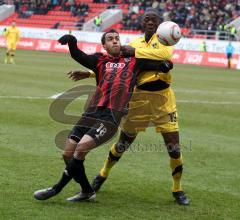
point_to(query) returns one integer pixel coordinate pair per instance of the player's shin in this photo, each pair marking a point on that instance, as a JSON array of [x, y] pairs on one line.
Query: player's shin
[[176, 165], [112, 159], [7, 58], [74, 168], [11, 59], [116, 152]]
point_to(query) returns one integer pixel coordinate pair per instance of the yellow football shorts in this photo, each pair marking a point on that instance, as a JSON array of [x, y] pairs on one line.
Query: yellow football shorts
[[11, 45], [151, 109]]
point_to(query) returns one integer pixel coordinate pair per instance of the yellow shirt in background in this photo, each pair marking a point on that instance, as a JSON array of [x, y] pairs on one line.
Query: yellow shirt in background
[[12, 34]]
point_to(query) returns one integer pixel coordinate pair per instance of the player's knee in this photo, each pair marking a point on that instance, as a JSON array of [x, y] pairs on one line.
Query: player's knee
[[67, 156], [121, 147], [174, 151], [127, 137], [124, 142]]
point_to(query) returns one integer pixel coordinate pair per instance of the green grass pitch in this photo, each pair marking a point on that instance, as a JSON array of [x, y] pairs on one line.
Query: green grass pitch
[[139, 187]]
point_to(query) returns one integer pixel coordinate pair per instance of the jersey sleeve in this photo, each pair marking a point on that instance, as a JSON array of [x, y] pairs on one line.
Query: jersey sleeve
[[163, 53], [88, 61], [149, 65]]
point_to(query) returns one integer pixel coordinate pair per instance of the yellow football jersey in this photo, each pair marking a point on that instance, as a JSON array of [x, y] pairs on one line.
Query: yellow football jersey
[[157, 52], [12, 34]]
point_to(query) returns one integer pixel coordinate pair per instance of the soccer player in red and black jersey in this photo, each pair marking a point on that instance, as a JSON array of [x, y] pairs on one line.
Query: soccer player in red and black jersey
[[115, 78]]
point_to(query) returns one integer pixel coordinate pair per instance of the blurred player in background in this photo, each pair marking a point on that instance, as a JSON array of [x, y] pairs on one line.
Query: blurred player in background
[[229, 54], [12, 35]]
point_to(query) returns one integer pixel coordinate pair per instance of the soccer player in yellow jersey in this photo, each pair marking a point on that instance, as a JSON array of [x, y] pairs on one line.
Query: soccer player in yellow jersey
[[153, 101], [12, 35]]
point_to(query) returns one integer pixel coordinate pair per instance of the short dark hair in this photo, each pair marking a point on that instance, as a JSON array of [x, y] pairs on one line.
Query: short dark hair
[[151, 11], [103, 39]]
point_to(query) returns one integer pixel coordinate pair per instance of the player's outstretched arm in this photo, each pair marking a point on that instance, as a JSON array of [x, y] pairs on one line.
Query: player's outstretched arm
[[88, 61], [79, 75], [128, 51], [163, 53], [148, 65]]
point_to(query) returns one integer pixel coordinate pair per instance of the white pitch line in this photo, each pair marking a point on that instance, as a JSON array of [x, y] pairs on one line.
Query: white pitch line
[[207, 92], [56, 95], [24, 97], [208, 102], [84, 98]]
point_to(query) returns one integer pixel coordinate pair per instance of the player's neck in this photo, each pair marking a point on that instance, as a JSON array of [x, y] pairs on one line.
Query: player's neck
[[148, 37], [114, 55]]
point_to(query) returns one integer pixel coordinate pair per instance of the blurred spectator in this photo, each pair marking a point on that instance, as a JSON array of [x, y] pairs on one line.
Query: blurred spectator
[[229, 53], [195, 14], [190, 14], [55, 26], [98, 23], [203, 46]]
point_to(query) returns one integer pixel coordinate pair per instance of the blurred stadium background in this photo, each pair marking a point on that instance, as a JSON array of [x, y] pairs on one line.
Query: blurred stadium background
[[201, 21], [207, 98]]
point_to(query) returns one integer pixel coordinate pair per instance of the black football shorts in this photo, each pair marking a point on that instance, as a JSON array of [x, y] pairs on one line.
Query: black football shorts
[[101, 125]]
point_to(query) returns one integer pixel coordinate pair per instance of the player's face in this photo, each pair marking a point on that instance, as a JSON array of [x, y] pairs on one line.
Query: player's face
[[13, 23], [150, 23], [112, 44]]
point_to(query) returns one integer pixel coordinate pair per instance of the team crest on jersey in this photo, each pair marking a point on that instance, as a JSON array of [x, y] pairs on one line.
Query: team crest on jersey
[[155, 45], [127, 59]]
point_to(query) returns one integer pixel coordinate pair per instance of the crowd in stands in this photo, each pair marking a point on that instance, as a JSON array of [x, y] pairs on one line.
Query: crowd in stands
[[25, 8], [192, 14], [28, 7]]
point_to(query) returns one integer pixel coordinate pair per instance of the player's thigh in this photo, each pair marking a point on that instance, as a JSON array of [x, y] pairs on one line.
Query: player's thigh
[[9, 46], [74, 138], [166, 116], [13, 46], [102, 131], [86, 144]]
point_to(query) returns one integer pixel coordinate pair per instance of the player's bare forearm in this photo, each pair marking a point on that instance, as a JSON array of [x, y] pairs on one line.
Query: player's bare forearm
[[128, 51], [79, 75]]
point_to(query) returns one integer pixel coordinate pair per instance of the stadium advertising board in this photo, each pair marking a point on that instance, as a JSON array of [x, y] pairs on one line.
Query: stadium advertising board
[[180, 55]]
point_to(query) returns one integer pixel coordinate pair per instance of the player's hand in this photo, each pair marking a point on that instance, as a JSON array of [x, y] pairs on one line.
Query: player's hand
[[128, 51], [166, 66], [66, 39], [78, 75]]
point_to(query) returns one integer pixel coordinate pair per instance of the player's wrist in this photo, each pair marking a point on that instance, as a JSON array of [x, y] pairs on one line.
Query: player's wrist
[[91, 74]]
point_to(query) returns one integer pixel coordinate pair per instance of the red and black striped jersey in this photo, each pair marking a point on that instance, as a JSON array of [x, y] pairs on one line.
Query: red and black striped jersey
[[115, 76]]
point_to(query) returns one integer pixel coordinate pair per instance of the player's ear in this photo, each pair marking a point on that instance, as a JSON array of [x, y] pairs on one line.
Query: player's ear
[[104, 46]]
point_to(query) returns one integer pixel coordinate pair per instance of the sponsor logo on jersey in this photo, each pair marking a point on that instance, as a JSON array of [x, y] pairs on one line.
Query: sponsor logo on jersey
[[110, 65]]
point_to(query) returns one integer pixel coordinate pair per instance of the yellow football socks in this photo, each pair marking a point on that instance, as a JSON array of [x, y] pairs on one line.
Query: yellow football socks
[[7, 58], [176, 166], [112, 159]]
